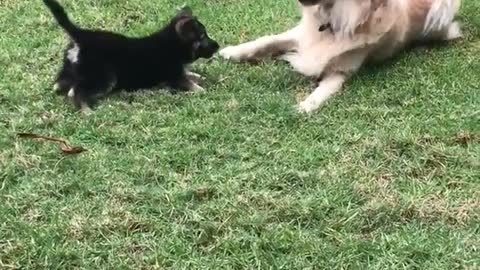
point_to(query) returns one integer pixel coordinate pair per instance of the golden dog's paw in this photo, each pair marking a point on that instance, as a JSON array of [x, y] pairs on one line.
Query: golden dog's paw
[[233, 53]]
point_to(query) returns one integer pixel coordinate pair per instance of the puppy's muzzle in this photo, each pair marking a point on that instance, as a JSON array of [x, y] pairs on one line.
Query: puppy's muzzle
[[206, 48]]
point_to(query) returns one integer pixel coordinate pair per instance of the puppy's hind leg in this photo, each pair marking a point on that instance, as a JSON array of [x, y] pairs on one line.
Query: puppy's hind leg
[[329, 86], [83, 103], [83, 97], [262, 47], [64, 81]]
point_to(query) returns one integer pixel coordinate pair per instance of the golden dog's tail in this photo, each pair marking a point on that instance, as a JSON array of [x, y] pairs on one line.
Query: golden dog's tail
[[441, 15]]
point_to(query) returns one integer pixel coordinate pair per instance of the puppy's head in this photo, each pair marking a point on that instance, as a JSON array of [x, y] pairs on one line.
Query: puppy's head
[[194, 35]]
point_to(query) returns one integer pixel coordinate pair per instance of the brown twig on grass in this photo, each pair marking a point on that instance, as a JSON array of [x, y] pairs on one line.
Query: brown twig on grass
[[64, 146]]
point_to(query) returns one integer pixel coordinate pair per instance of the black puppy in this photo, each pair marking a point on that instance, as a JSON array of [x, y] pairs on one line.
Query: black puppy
[[98, 62]]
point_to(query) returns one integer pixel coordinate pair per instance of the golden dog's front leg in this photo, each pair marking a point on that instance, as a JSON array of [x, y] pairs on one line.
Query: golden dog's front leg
[[266, 46], [327, 87]]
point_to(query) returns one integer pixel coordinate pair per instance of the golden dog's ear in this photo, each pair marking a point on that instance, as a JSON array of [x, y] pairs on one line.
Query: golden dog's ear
[[347, 15]]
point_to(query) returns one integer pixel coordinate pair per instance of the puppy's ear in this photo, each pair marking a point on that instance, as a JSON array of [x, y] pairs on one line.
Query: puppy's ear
[[185, 28], [185, 11]]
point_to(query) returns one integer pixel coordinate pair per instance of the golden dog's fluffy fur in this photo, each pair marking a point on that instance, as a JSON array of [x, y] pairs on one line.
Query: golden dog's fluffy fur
[[361, 30]]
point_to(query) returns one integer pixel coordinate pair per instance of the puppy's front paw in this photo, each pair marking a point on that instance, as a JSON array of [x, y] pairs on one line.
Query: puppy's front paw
[[86, 111], [198, 88], [233, 53], [194, 76], [195, 88]]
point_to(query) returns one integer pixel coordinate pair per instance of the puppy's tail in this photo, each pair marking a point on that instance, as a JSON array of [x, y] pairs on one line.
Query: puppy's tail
[[440, 15], [61, 16]]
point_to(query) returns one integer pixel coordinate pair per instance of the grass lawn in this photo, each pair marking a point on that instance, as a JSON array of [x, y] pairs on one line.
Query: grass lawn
[[386, 176]]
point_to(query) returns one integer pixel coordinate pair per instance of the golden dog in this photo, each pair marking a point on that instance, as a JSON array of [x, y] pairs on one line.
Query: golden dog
[[336, 37]]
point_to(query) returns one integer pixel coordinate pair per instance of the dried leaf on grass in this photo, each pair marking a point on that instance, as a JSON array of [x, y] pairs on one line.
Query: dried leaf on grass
[[64, 146]]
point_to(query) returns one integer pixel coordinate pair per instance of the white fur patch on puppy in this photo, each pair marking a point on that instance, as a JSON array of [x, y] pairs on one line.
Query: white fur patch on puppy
[[72, 54], [71, 93]]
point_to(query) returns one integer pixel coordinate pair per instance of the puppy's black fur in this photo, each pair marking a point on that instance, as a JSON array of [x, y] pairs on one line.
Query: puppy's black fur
[[97, 62]]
